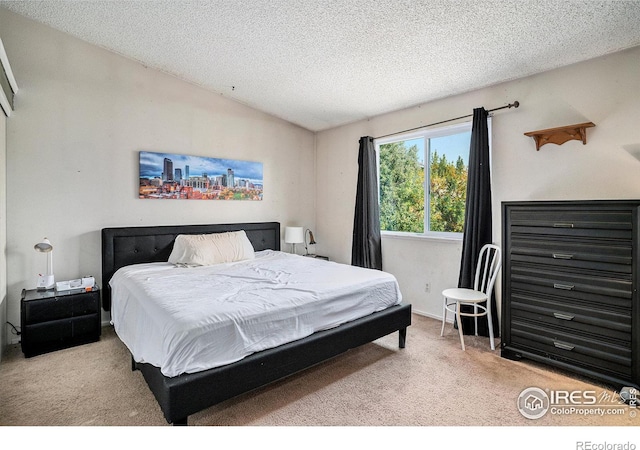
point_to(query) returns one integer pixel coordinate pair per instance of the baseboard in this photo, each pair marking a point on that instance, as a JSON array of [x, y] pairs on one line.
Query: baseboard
[[432, 316]]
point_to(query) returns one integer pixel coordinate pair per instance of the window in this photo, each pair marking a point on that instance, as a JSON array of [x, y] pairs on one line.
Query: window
[[424, 198]]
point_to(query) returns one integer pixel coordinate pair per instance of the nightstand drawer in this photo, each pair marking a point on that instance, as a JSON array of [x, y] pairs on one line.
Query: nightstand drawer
[[63, 328], [83, 304], [57, 334], [60, 307], [55, 330]]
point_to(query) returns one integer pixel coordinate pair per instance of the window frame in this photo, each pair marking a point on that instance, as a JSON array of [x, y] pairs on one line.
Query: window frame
[[426, 134]]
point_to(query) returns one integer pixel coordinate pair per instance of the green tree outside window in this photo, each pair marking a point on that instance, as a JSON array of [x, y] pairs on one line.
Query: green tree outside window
[[402, 196]]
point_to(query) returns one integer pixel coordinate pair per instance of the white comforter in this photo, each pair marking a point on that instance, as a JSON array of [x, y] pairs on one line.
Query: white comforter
[[185, 320]]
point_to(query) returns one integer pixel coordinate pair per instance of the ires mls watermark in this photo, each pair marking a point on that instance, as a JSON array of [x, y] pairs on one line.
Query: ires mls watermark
[[534, 403]]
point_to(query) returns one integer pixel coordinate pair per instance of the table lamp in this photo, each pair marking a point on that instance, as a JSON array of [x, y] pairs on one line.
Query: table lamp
[[312, 241], [294, 235], [45, 281]]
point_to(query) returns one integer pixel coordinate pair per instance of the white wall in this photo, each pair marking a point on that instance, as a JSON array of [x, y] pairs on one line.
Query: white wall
[[605, 91], [83, 114]]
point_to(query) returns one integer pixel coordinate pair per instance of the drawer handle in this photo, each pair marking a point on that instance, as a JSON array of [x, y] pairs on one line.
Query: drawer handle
[[563, 345], [562, 316], [562, 256], [562, 225], [566, 287]]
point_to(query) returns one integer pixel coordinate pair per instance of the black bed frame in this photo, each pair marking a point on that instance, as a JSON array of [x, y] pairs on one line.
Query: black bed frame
[[187, 394]]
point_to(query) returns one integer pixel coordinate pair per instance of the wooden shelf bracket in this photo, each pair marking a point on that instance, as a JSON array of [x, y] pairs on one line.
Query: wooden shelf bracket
[[560, 135]]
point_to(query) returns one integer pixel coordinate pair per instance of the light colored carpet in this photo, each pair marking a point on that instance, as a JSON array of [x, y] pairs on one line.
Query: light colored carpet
[[431, 382]]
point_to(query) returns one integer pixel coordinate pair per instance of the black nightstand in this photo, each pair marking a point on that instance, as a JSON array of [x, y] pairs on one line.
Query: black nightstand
[[52, 320]]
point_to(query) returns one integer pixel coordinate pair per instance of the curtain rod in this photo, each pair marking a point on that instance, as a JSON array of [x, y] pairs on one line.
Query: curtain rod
[[510, 105]]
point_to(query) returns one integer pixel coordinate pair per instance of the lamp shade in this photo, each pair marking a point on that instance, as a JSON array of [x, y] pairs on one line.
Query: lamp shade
[[312, 240], [44, 246], [294, 235]]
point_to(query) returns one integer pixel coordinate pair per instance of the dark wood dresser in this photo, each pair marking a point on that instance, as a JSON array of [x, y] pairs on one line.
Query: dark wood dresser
[[570, 286]]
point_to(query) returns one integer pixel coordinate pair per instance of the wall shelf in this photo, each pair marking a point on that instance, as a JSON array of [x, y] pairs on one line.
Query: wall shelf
[[8, 85], [560, 135]]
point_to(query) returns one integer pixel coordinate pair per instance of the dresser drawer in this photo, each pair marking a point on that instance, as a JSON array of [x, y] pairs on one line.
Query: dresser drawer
[[579, 253], [573, 316], [611, 224], [597, 354], [591, 286]]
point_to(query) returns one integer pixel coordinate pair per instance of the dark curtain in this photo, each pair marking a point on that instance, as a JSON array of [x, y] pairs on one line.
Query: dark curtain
[[477, 219], [366, 250]]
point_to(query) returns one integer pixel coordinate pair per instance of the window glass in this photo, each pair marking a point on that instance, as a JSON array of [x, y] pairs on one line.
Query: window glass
[[401, 181], [424, 198]]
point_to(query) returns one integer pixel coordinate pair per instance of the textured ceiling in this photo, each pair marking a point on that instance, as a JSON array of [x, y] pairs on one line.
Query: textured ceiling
[[323, 63]]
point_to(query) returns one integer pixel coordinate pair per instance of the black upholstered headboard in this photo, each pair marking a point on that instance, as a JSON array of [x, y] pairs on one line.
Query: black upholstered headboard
[[136, 245]]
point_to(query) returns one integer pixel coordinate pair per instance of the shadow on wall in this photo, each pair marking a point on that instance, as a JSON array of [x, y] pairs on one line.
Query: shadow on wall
[[633, 150]]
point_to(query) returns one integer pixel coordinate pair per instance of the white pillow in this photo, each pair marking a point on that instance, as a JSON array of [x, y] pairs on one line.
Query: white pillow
[[208, 249]]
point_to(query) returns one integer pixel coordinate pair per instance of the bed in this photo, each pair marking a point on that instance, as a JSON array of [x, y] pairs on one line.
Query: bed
[[180, 395]]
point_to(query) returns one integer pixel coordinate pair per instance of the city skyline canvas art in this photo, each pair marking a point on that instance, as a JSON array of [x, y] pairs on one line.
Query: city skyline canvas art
[[170, 176]]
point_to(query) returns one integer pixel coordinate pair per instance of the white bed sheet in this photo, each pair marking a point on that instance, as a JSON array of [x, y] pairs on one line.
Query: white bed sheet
[[186, 320]]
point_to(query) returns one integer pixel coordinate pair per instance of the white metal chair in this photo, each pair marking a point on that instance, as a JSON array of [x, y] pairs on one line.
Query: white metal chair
[[487, 269]]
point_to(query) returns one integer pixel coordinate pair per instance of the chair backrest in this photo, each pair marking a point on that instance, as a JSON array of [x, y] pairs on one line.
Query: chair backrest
[[489, 262]]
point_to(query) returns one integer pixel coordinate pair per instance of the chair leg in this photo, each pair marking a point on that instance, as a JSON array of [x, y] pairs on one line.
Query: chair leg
[[475, 312], [490, 326], [460, 325], [444, 315]]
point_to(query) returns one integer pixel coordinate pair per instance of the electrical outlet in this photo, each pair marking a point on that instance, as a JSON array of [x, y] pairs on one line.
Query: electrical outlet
[[427, 287]]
